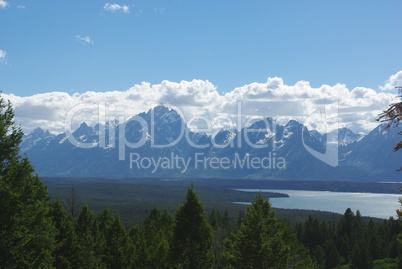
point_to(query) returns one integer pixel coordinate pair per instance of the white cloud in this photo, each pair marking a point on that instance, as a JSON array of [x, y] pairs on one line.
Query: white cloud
[[2, 56], [392, 82], [3, 4], [358, 108], [21, 6], [115, 7], [85, 39], [160, 10]]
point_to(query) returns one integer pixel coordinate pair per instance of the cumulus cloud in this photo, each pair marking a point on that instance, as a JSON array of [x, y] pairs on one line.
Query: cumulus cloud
[[2, 56], [85, 39], [115, 7], [392, 82], [323, 108], [3, 4]]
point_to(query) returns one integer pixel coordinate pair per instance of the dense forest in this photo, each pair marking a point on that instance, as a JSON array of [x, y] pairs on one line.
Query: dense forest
[[190, 239], [38, 233]]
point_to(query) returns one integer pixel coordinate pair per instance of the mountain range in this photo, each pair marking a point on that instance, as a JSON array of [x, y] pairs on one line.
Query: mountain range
[[140, 147]]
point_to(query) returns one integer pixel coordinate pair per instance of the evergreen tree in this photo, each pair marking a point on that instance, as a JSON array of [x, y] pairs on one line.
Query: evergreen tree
[[153, 239], [345, 224], [333, 259], [312, 233], [90, 241], [26, 229], [374, 240], [104, 220], [221, 231], [65, 252], [258, 242], [118, 251], [192, 237], [343, 239], [360, 258], [136, 238], [299, 256], [319, 256], [263, 242]]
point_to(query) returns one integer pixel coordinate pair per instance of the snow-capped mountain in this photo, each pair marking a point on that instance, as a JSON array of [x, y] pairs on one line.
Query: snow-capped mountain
[[37, 137], [342, 136], [161, 143], [374, 152]]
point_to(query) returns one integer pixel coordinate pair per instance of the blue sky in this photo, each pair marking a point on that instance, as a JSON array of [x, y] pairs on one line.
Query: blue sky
[[230, 43]]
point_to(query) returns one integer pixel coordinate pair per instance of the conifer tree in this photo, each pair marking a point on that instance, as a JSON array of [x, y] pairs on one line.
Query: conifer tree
[[192, 237], [65, 252], [258, 243], [118, 251], [263, 242], [360, 258], [153, 240], [26, 229], [333, 259], [221, 231], [90, 240], [104, 219]]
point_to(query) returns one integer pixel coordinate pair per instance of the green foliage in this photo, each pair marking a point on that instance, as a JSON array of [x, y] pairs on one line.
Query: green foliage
[[221, 231], [10, 137], [153, 240], [26, 229], [119, 250], [90, 240], [360, 258], [192, 236], [264, 242], [346, 242], [66, 242], [385, 264], [352, 242]]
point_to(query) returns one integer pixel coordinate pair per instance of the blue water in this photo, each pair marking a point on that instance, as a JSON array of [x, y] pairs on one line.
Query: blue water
[[379, 205]]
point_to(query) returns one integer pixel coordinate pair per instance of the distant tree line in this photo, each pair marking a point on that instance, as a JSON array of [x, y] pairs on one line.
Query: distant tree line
[[186, 240], [351, 241]]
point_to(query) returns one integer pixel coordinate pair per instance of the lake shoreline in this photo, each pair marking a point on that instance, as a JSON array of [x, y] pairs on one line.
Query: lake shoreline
[[377, 205]]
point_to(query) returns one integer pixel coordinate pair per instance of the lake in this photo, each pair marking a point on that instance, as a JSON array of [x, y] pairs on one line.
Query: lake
[[379, 205]]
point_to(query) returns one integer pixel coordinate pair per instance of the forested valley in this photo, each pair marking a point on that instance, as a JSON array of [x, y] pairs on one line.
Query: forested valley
[[190, 239]]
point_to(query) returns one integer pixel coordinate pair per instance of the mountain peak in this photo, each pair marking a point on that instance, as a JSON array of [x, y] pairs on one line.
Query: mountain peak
[[37, 131], [84, 129], [267, 123], [293, 124], [164, 115], [33, 138], [160, 109], [343, 136]]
